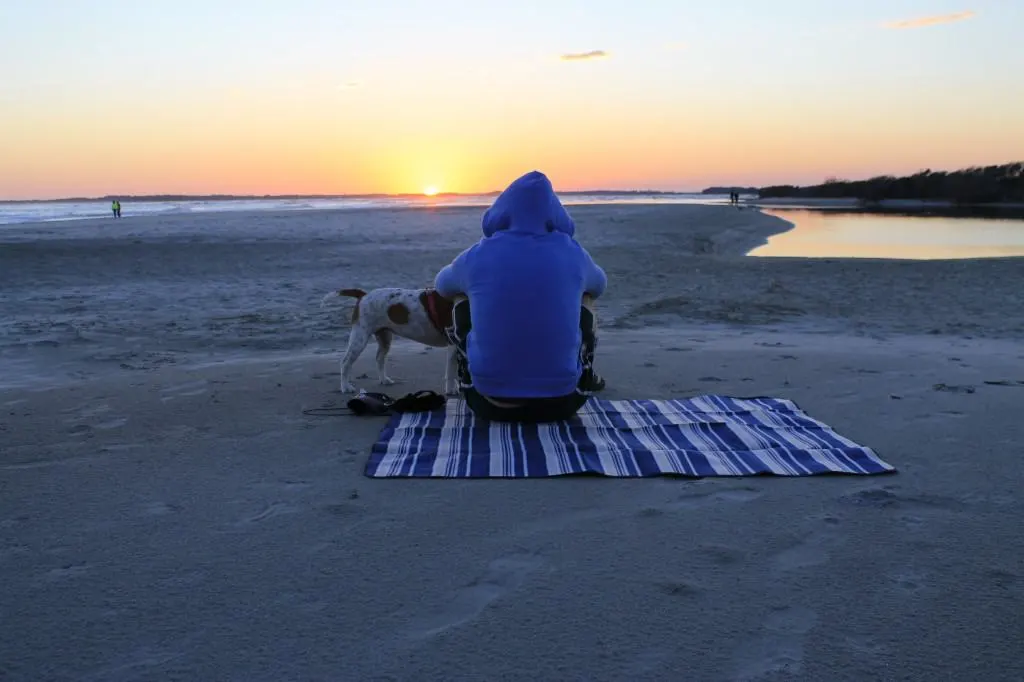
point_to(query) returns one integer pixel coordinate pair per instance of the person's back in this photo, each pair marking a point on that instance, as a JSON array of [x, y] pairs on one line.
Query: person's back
[[525, 281], [525, 291]]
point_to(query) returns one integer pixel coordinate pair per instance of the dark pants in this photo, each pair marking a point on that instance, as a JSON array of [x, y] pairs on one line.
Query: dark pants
[[525, 409]]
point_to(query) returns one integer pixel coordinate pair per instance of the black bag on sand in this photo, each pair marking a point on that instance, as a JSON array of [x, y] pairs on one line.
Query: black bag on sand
[[381, 404]]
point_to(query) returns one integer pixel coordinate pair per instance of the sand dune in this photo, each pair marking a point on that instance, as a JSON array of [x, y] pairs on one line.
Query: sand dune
[[167, 511]]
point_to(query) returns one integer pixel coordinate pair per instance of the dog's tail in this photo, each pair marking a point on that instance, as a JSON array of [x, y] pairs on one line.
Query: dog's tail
[[352, 293]]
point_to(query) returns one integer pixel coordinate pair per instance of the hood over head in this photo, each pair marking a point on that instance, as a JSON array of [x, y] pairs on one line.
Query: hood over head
[[530, 205]]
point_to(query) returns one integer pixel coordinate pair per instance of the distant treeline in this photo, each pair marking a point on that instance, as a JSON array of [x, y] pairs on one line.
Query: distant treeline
[[726, 190], [976, 185]]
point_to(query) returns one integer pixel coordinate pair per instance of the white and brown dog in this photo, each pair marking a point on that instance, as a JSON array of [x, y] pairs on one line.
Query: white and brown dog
[[417, 314]]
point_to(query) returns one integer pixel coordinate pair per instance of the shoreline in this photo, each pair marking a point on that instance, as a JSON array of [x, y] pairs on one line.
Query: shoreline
[[905, 207], [177, 207], [734, 236], [910, 208]]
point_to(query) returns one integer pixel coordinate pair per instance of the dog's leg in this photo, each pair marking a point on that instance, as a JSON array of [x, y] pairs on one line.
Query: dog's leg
[[357, 341], [384, 337]]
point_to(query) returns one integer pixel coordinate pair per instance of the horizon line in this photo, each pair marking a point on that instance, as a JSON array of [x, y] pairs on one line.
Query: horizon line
[[371, 195]]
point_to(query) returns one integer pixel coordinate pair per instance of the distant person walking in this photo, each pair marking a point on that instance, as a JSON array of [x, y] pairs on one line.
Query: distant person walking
[[115, 206]]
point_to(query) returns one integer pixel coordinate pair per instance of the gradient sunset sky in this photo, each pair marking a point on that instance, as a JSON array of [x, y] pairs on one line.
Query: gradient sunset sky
[[346, 96]]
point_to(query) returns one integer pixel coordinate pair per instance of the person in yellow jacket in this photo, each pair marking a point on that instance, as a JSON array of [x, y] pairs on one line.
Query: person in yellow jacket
[[115, 206]]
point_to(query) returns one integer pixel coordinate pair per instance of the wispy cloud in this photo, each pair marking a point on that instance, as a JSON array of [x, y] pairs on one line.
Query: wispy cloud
[[584, 56], [675, 47], [932, 21]]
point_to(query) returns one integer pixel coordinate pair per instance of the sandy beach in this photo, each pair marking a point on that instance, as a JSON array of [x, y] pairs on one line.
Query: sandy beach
[[167, 511]]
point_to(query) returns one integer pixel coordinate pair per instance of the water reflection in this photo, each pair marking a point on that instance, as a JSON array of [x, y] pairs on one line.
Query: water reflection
[[820, 234]]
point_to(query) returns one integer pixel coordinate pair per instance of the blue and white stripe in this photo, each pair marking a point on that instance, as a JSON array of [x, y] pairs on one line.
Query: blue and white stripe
[[703, 436]]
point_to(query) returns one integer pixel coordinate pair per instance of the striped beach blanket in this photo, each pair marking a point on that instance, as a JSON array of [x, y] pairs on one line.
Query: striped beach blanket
[[703, 436]]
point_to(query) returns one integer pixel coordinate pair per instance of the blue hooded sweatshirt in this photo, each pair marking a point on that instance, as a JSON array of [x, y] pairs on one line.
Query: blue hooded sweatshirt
[[525, 280]]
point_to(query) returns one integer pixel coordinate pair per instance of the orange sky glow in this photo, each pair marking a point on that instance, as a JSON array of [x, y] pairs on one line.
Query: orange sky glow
[[319, 115]]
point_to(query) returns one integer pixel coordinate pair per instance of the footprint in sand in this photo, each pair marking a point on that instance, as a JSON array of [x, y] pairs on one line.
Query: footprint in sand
[[891, 497], [779, 648], [288, 485], [938, 417], [122, 447], [12, 551], [909, 581], [184, 579], [689, 501], [88, 410], [733, 495], [647, 662], [678, 588], [865, 646], [158, 508], [189, 389], [812, 550], [502, 576], [112, 424], [566, 521], [136, 665], [302, 602], [344, 509], [1002, 577], [269, 511], [66, 572], [723, 555], [947, 388]]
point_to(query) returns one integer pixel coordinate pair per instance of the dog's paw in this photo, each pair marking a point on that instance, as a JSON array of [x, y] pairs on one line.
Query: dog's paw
[[387, 381], [348, 388]]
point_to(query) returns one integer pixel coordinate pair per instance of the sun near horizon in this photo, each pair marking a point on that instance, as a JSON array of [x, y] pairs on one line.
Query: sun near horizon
[[430, 191]]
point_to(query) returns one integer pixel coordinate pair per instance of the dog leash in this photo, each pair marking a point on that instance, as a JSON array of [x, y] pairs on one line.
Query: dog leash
[[335, 411]]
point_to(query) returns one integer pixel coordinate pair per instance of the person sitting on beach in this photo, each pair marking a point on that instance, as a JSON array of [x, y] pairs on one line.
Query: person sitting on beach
[[523, 321]]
